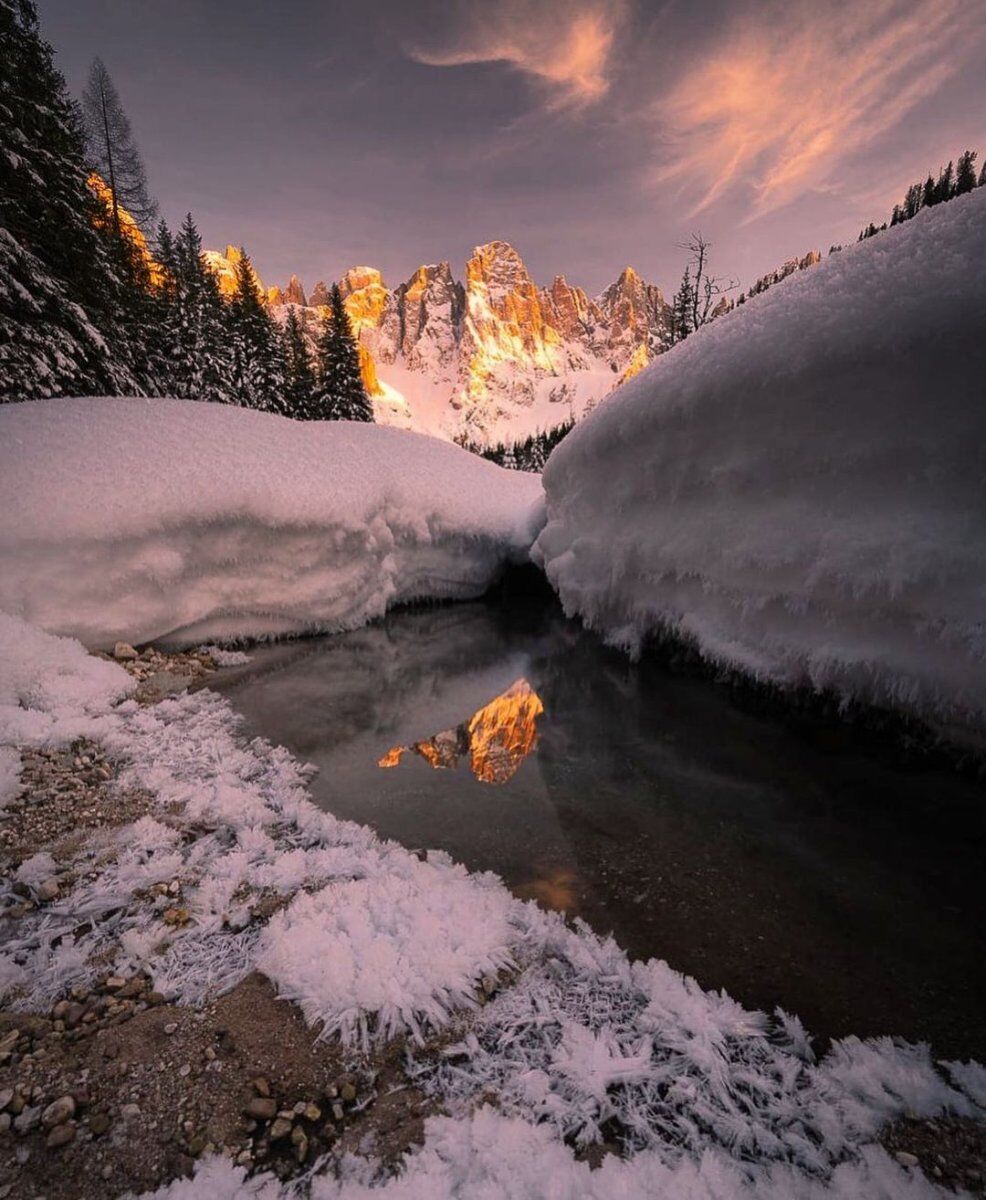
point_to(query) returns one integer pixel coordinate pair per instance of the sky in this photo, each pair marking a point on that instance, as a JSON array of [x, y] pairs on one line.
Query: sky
[[589, 135]]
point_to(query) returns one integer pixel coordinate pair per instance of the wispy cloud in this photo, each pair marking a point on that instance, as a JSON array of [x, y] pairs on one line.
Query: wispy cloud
[[778, 104], [565, 46]]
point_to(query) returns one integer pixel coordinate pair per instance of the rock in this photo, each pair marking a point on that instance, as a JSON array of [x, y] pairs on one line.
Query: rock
[[155, 997], [48, 889], [6, 1095], [5, 1122], [58, 1112], [261, 1086], [171, 1027], [60, 1136], [312, 1112], [185, 1070], [261, 1107], [348, 1092], [280, 1129], [130, 1112], [300, 1141], [905, 1159], [124, 652], [27, 1120], [98, 1123]]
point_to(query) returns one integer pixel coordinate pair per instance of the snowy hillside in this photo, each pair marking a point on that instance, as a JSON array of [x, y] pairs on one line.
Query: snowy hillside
[[800, 487], [137, 519]]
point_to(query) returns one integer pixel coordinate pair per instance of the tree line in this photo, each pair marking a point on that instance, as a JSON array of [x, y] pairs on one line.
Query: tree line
[[953, 180], [93, 303], [528, 454]]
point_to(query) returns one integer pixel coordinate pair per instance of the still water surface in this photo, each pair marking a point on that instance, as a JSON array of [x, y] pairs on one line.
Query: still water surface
[[784, 860]]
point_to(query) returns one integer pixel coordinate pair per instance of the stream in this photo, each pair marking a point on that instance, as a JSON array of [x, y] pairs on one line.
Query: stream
[[791, 861]]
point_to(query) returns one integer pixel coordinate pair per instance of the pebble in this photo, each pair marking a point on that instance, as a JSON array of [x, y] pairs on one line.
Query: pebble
[[185, 1070], [48, 889], [60, 1136], [261, 1107], [348, 1092], [130, 1112], [124, 652], [58, 1112], [906, 1159], [280, 1129], [171, 1027], [98, 1123]]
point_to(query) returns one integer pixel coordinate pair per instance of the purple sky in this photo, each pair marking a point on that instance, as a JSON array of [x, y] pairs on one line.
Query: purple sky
[[589, 135]]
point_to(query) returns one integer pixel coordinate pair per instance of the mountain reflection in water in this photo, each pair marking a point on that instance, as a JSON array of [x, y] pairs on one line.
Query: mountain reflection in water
[[778, 856], [496, 738]]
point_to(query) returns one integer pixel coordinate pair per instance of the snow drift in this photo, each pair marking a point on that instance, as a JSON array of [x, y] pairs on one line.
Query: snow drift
[[139, 519], [799, 489]]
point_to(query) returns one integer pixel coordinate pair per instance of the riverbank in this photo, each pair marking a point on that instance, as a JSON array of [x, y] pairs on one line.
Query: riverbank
[[421, 994]]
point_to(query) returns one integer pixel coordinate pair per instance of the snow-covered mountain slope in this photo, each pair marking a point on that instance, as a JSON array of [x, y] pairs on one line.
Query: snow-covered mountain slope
[[800, 487], [130, 520], [496, 357]]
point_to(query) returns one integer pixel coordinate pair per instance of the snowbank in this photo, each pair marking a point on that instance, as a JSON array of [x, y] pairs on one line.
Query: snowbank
[[799, 488], [710, 1100], [137, 519]]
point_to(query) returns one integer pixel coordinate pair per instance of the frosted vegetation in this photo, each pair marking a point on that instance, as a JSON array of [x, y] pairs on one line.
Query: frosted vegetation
[[798, 489], [130, 519]]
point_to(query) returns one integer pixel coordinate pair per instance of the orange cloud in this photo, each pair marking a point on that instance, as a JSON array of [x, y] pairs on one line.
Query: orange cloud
[[777, 105], [567, 47]]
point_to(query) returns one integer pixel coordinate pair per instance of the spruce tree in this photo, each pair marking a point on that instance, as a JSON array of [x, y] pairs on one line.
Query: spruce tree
[[258, 364], [299, 375], [112, 149], [929, 194], [681, 309], [965, 175], [63, 306], [340, 394], [201, 324]]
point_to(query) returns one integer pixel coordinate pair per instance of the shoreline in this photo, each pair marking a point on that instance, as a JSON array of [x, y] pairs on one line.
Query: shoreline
[[122, 1010]]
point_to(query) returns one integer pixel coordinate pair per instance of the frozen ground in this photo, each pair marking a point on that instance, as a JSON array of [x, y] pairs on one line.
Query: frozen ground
[[143, 519], [799, 488], [579, 1045]]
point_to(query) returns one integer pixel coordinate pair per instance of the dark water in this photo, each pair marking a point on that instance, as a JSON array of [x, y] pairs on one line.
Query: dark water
[[787, 862]]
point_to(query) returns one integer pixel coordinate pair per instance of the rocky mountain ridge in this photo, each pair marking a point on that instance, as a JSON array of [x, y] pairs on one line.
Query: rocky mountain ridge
[[496, 356]]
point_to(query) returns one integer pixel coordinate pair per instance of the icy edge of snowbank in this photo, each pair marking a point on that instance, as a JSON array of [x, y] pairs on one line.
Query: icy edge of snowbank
[[372, 941], [798, 489], [134, 520]]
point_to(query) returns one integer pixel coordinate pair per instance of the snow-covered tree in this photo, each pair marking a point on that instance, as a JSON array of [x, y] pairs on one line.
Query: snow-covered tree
[[64, 324], [199, 333], [299, 375], [340, 394], [258, 362]]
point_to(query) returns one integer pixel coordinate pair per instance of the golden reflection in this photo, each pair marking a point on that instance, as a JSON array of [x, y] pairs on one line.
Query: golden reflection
[[555, 891], [496, 739]]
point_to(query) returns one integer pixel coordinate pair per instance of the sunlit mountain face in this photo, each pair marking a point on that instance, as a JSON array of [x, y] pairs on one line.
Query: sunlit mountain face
[[494, 741]]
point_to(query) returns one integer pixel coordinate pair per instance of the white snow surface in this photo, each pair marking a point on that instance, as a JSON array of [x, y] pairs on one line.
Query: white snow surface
[[714, 1101], [798, 489], [128, 519]]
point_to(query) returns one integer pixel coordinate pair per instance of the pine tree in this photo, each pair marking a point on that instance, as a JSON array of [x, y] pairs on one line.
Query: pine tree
[[112, 149], [681, 309], [258, 364], [63, 318], [202, 325], [340, 394], [929, 194], [965, 175], [299, 375], [944, 188]]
